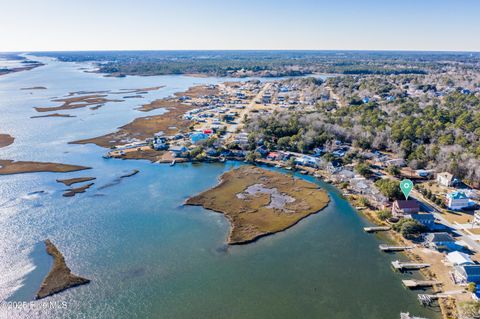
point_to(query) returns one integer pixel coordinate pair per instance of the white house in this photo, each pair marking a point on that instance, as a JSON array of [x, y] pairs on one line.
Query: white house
[[457, 200], [445, 179], [458, 258]]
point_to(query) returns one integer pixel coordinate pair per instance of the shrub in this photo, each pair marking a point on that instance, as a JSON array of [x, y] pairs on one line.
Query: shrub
[[384, 214]]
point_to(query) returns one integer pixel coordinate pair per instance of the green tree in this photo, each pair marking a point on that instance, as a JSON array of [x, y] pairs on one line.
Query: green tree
[[393, 170], [389, 188], [384, 214], [364, 170]]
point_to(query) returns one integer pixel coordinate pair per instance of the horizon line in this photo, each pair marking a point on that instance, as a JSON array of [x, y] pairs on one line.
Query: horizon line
[[247, 50]]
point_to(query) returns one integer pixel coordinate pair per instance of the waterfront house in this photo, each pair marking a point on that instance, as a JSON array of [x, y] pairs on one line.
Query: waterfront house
[[198, 137], [306, 160], [160, 143], [178, 151], [458, 258], [445, 179], [426, 219], [437, 240], [273, 156], [467, 273], [457, 200], [402, 208]]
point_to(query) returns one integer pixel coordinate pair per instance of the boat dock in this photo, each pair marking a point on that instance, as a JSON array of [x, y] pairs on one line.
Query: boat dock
[[376, 229], [426, 299], [412, 283], [406, 315], [398, 265], [387, 248]]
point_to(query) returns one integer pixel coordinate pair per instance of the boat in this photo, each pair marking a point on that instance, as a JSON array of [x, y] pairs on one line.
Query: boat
[[278, 166], [172, 163], [222, 159]]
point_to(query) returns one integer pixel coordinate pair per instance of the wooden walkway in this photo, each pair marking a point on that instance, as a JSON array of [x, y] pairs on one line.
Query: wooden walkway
[[412, 283], [376, 229], [386, 248], [398, 265]]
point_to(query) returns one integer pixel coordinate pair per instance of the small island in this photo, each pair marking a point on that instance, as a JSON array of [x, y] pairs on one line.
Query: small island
[[60, 276], [8, 167], [5, 140], [259, 202]]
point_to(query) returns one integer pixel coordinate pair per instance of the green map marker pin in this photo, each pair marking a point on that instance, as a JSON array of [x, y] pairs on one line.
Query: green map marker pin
[[406, 186]]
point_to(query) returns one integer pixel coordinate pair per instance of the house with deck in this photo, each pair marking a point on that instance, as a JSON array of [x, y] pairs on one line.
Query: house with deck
[[467, 273], [403, 208], [440, 240], [457, 258]]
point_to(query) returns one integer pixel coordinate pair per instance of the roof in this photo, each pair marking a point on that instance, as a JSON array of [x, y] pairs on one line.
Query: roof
[[423, 217], [440, 237], [459, 258], [457, 195], [177, 148], [407, 204], [470, 270], [446, 175]]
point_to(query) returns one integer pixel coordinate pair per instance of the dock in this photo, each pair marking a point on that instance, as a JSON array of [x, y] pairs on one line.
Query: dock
[[376, 229], [398, 265], [406, 315], [412, 283], [387, 248]]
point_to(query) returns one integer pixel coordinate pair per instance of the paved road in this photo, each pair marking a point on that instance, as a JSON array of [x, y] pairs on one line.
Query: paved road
[[430, 207]]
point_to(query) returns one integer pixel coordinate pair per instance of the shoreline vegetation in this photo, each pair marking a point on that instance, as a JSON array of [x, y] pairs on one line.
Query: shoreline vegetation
[[60, 276], [258, 202], [8, 167]]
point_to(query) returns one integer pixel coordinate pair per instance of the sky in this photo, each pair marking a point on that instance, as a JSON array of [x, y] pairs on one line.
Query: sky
[[433, 25]]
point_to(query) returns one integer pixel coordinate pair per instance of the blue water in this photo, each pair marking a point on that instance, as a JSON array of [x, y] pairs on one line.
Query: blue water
[[146, 254]]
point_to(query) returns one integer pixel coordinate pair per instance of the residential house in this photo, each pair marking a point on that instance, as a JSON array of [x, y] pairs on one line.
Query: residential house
[[467, 273], [198, 137], [178, 151], [306, 161], [457, 200], [273, 156], [426, 219], [160, 143], [402, 208], [437, 240], [458, 258], [445, 179]]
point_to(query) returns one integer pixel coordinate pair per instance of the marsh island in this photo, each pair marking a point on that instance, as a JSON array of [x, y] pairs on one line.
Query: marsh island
[[258, 202]]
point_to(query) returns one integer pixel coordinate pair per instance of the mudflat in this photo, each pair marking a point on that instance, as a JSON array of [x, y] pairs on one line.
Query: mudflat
[[60, 276], [6, 140], [259, 202], [11, 167]]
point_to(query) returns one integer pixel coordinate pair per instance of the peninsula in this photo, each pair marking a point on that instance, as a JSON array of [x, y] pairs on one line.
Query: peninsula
[[259, 202]]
